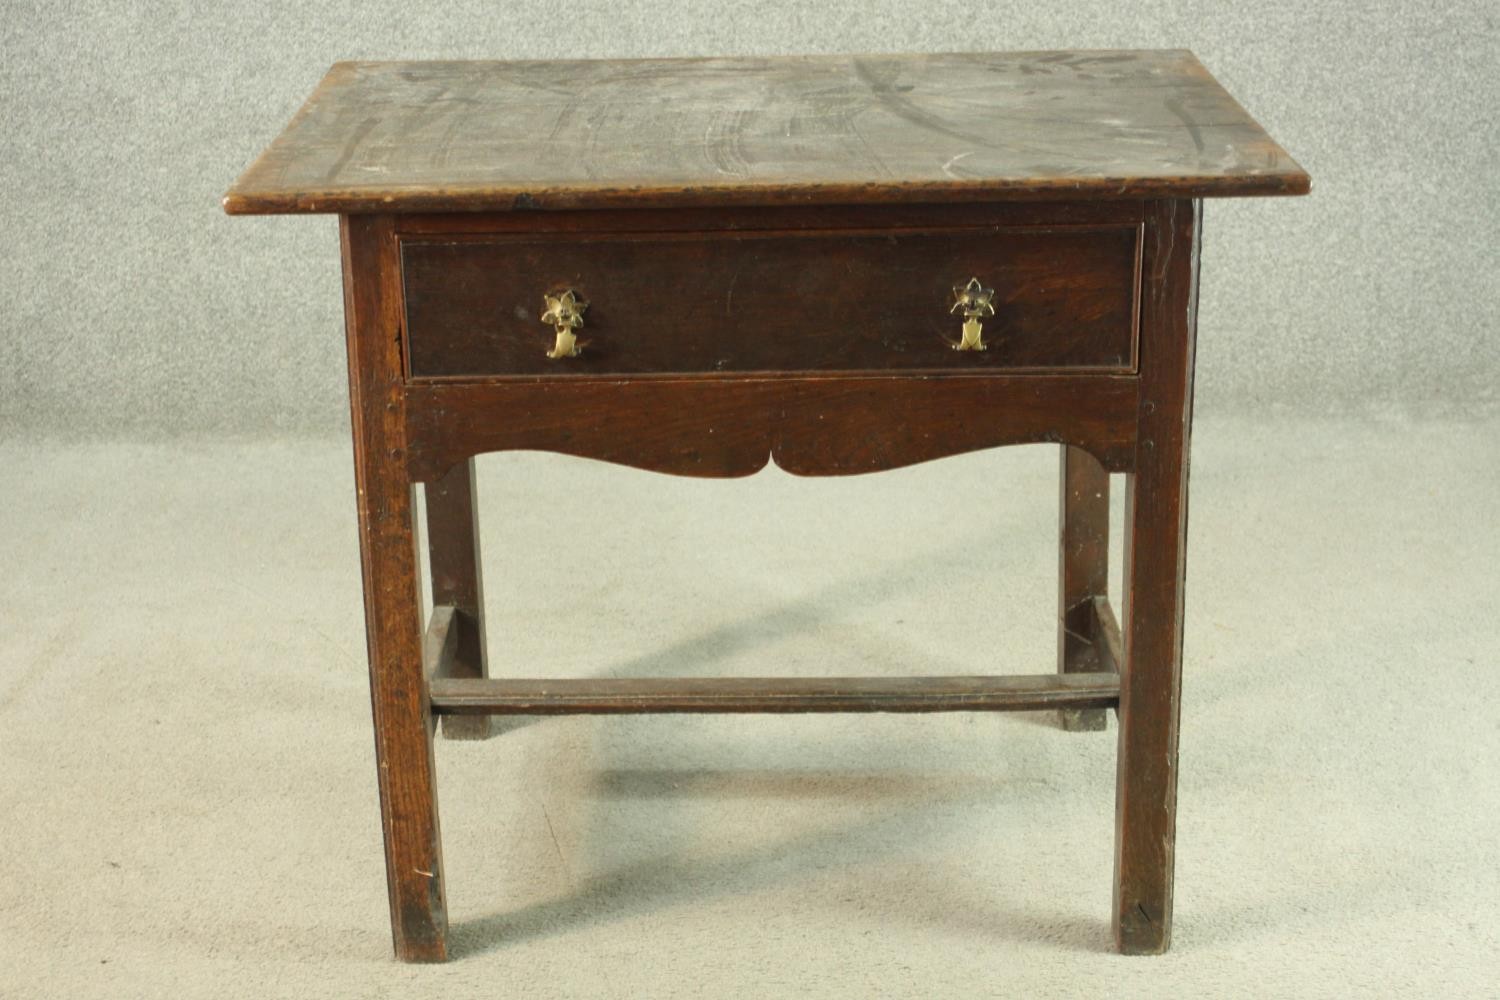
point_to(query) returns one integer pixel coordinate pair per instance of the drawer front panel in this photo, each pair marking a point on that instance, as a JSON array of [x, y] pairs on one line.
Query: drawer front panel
[[828, 301]]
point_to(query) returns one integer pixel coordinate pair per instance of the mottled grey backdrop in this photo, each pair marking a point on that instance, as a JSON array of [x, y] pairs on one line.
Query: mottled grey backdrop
[[131, 305]]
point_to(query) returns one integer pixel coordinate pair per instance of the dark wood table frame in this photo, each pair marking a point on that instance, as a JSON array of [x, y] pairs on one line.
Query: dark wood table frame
[[406, 434], [1130, 415]]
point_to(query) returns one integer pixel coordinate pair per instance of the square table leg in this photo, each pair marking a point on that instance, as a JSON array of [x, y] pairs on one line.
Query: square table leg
[[1155, 543], [1083, 574], [393, 610], [457, 581]]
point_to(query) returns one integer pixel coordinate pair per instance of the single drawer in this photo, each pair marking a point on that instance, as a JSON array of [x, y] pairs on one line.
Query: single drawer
[[1064, 298]]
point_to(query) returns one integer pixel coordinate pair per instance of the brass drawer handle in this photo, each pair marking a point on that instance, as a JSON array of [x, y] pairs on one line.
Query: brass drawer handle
[[975, 301], [565, 312]]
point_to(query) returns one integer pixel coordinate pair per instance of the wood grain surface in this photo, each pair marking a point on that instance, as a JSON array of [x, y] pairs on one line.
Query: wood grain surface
[[407, 775], [458, 581], [457, 136], [1082, 573], [1155, 561], [725, 426], [638, 695], [836, 300]]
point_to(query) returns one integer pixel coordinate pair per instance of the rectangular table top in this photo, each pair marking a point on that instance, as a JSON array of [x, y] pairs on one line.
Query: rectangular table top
[[498, 136]]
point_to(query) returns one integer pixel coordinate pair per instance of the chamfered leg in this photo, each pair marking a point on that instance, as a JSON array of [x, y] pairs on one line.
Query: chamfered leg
[[457, 580], [393, 611], [1156, 534], [1083, 573]]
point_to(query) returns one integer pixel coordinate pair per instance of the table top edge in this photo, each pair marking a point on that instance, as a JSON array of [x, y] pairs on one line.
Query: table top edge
[[253, 194]]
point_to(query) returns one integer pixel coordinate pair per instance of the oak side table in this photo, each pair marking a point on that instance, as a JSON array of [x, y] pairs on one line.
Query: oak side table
[[840, 264]]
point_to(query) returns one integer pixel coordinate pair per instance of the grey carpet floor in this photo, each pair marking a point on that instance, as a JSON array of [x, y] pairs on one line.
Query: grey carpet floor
[[187, 796]]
